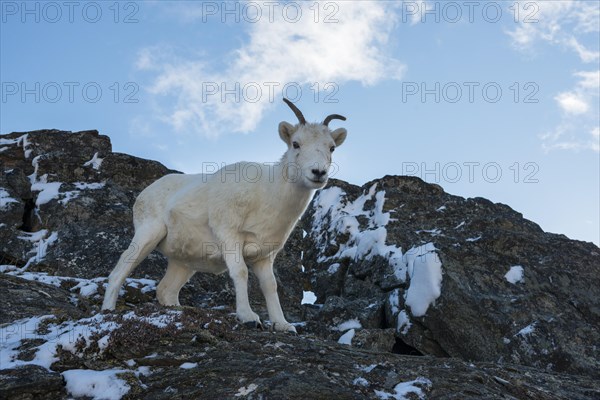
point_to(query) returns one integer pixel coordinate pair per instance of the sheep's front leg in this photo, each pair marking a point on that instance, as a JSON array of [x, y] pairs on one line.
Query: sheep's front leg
[[239, 274], [264, 272]]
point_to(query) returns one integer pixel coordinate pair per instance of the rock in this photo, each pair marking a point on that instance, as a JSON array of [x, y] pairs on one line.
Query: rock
[[550, 320], [22, 298], [31, 382], [417, 273]]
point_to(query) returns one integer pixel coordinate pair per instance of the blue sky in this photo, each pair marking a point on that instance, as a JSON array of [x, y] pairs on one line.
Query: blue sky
[[492, 99]]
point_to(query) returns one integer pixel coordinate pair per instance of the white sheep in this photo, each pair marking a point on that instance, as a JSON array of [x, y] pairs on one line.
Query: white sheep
[[241, 215]]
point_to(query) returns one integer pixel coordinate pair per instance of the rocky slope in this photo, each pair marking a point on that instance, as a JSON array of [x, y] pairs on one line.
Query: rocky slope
[[436, 295]]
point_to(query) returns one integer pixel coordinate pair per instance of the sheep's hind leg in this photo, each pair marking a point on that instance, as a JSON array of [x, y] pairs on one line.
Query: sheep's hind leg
[[145, 240], [168, 289]]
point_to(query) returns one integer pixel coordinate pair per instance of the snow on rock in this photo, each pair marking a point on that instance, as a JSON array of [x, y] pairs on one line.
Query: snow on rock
[[89, 186], [514, 274], [48, 190], [425, 271], [360, 381], [367, 368], [67, 335], [402, 389], [98, 385], [347, 337], [528, 330], [95, 162], [73, 194], [246, 390], [350, 324], [432, 232], [157, 319], [21, 141], [335, 215], [333, 268], [75, 336], [308, 297], [41, 241], [403, 323], [420, 266], [143, 284], [84, 287], [5, 199], [188, 365]]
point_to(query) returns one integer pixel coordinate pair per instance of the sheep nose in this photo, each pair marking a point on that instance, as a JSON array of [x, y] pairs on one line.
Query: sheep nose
[[318, 173]]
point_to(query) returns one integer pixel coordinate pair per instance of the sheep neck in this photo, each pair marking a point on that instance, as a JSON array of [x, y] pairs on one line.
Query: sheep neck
[[292, 192]]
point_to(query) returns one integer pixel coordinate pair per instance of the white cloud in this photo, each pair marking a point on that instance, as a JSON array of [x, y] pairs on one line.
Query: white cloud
[[572, 103], [579, 126], [565, 23], [590, 80], [585, 54], [275, 54], [572, 25]]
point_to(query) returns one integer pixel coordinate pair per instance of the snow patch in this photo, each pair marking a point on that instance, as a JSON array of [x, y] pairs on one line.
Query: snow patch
[[157, 319], [334, 216], [368, 368], [404, 388], [333, 268], [347, 337], [89, 186], [84, 287], [432, 232], [246, 390], [514, 274], [21, 141], [48, 190], [98, 385], [350, 324], [403, 323], [5, 199], [188, 365], [528, 330], [360, 381], [308, 297], [41, 241], [73, 194], [66, 335], [425, 271], [95, 162]]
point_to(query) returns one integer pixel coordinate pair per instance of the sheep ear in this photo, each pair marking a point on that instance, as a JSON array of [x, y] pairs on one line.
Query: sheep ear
[[286, 130], [339, 135]]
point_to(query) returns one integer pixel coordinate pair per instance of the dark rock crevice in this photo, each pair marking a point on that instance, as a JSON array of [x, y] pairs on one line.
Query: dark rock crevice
[[31, 219]]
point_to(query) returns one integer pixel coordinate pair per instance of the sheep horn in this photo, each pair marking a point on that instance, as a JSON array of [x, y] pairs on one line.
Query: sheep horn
[[296, 111], [333, 116]]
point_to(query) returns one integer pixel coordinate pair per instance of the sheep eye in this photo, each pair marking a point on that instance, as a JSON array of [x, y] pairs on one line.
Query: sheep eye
[[332, 149], [296, 145]]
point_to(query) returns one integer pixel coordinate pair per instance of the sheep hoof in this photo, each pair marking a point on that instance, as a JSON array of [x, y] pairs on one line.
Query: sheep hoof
[[253, 325], [283, 327]]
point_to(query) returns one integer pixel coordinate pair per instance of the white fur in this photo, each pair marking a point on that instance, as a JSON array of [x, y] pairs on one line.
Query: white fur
[[241, 215]]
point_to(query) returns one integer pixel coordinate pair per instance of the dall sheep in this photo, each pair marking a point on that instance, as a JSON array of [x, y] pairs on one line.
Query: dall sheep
[[222, 222]]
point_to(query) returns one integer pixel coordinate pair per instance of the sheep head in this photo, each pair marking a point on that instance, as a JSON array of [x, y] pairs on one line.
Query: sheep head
[[310, 146]]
